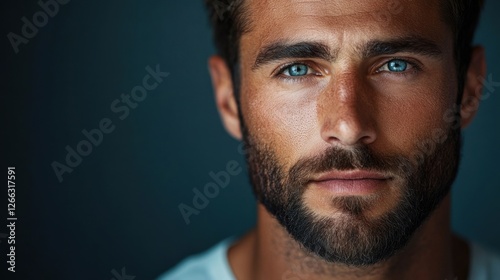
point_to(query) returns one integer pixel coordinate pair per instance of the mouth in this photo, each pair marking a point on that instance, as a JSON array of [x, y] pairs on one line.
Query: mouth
[[352, 182]]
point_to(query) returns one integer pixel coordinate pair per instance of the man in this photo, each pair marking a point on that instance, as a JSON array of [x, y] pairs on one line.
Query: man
[[351, 114]]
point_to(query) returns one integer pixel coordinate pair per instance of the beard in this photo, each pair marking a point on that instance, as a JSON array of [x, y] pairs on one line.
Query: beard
[[422, 180]]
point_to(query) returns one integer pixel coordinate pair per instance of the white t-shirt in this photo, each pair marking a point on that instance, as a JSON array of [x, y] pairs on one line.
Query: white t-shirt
[[213, 265]]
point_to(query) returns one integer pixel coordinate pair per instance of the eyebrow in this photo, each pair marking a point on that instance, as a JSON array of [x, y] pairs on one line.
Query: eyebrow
[[411, 44], [282, 50]]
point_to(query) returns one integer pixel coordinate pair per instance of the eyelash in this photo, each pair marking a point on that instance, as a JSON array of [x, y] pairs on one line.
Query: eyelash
[[279, 73]]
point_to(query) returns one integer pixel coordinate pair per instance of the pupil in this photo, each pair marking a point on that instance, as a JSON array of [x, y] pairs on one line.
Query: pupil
[[298, 70]]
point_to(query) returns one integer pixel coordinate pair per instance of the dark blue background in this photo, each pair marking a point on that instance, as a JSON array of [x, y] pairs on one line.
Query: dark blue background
[[119, 207]]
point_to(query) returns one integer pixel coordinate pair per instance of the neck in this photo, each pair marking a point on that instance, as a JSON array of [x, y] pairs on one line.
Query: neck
[[268, 252]]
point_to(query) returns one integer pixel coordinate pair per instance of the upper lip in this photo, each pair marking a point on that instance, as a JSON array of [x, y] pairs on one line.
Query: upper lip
[[351, 175]]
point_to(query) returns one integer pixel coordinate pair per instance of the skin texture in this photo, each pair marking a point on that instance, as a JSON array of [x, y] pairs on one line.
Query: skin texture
[[346, 100]]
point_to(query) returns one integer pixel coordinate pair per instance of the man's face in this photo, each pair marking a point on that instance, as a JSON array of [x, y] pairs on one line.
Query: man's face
[[337, 99]]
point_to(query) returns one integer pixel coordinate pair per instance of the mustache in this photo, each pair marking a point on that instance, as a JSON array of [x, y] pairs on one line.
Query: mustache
[[359, 157]]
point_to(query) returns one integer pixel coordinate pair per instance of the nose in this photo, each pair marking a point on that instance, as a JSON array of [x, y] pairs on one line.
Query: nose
[[346, 112]]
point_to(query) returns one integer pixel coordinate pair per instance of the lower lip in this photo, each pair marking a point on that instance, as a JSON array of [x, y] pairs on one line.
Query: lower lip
[[352, 186]]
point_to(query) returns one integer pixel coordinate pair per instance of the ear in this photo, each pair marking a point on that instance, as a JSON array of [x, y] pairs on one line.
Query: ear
[[473, 86], [224, 95]]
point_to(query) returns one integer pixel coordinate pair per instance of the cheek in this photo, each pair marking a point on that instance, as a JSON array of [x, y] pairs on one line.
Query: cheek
[[405, 122], [285, 122]]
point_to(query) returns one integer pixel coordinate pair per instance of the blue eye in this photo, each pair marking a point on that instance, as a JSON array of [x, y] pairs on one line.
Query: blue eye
[[296, 70], [397, 65]]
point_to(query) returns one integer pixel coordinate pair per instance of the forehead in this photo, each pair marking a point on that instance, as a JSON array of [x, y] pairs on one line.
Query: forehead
[[342, 22]]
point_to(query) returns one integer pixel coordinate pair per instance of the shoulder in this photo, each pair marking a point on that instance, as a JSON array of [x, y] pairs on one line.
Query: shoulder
[[211, 264], [485, 264]]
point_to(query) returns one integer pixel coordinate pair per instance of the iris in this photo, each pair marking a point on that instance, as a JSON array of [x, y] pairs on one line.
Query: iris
[[297, 70], [397, 65]]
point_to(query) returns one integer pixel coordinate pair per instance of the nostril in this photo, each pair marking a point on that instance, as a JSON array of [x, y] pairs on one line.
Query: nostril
[[348, 132]]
